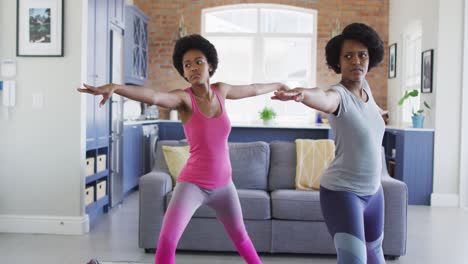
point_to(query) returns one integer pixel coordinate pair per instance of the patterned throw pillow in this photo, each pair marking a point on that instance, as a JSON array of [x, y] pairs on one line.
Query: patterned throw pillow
[[313, 158]]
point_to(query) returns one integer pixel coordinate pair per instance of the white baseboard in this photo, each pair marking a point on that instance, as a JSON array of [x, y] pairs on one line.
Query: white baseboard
[[444, 200], [36, 224]]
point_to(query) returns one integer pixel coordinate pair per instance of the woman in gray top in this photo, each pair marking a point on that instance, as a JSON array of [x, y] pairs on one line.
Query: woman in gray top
[[351, 195]]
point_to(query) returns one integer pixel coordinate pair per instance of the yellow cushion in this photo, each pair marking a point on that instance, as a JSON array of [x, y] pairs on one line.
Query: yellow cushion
[[313, 158], [176, 157]]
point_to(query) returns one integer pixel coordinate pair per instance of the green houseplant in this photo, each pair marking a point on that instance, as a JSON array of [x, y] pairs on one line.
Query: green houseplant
[[417, 115], [267, 115]]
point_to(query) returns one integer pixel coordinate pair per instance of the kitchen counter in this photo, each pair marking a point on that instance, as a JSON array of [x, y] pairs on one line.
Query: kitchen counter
[[409, 128], [237, 124], [280, 125], [294, 129], [147, 122]]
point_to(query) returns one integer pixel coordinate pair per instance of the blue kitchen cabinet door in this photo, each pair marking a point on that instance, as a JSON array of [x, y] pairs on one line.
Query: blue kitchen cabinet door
[[135, 46], [90, 127], [90, 123], [97, 119], [102, 122], [101, 43], [132, 156]]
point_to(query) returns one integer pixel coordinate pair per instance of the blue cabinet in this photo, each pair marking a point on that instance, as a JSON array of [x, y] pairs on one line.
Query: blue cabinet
[[269, 134], [135, 46], [132, 156], [175, 131], [410, 157], [97, 118]]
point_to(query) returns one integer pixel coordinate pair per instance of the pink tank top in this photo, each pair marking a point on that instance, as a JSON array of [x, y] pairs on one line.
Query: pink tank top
[[209, 165]]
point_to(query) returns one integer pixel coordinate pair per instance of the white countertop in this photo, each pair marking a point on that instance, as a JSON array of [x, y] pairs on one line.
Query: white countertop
[[280, 125], [237, 124], [146, 122], [275, 125], [407, 128]]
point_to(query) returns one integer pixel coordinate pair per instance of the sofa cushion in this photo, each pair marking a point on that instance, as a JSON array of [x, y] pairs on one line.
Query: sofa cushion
[[283, 165], [296, 205], [250, 163], [255, 205]]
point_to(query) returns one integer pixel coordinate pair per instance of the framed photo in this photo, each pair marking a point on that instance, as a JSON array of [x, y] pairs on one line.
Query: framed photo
[[39, 28], [427, 59], [392, 54]]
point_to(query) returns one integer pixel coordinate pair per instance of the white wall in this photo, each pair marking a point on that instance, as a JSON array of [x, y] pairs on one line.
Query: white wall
[[42, 150], [442, 24], [464, 118], [448, 74], [402, 14]]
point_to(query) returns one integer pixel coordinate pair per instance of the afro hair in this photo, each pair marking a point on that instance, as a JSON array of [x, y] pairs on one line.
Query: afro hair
[[194, 42], [358, 32]]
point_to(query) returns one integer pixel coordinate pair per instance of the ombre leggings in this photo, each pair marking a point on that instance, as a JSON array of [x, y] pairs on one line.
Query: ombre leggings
[[187, 198]]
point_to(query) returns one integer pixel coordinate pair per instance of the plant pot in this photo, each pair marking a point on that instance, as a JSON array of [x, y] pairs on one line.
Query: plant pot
[[268, 122], [418, 121]]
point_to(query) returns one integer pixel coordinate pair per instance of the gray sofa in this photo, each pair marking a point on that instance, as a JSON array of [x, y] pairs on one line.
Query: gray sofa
[[278, 218]]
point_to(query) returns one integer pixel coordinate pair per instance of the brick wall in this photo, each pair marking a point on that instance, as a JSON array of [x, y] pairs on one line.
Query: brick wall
[[164, 20]]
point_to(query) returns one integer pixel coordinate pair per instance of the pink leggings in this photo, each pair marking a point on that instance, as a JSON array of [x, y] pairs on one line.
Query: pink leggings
[[185, 201]]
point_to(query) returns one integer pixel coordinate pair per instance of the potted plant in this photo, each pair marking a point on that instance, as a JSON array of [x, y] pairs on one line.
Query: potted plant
[[267, 115], [417, 117]]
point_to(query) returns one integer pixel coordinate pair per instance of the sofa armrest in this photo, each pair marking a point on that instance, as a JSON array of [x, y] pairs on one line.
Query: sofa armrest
[[153, 188], [156, 183], [396, 205]]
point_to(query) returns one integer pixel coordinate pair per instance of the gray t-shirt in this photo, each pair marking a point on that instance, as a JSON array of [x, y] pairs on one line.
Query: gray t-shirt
[[358, 128]]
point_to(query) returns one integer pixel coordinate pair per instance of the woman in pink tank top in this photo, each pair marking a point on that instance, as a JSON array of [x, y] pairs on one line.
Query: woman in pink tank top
[[206, 177]]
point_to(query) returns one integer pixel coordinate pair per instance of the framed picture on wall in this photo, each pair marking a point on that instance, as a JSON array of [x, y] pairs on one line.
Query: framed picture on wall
[[426, 71], [392, 53], [39, 28]]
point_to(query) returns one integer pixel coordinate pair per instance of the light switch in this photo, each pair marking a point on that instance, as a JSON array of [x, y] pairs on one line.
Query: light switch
[[8, 68], [37, 100]]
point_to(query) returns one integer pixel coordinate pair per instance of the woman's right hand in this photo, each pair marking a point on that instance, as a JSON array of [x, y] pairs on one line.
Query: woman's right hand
[[106, 91], [296, 94]]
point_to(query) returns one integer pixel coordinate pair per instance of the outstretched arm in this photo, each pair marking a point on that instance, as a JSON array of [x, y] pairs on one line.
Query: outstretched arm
[[172, 99], [325, 101], [243, 91]]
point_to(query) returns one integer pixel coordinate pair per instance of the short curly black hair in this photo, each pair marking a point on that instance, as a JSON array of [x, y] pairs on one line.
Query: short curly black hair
[[361, 33], [194, 42]]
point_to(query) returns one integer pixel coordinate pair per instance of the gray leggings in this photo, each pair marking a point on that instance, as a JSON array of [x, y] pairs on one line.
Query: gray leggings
[[187, 198]]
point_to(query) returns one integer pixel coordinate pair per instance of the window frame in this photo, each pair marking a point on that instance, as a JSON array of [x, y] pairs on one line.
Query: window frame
[[259, 60], [411, 35]]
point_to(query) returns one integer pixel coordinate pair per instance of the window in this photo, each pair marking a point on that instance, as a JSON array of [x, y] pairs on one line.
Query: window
[[259, 43], [411, 68]]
